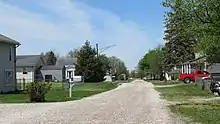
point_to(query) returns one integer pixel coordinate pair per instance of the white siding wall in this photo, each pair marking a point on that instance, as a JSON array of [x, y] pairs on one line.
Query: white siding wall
[[29, 77]]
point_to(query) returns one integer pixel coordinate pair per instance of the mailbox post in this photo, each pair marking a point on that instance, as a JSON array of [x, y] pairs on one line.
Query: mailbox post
[[72, 82]]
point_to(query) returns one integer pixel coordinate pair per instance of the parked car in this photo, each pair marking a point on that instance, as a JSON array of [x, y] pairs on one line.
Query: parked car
[[187, 78], [215, 87]]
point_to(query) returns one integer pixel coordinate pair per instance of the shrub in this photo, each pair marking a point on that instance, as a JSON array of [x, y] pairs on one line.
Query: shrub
[[37, 91]]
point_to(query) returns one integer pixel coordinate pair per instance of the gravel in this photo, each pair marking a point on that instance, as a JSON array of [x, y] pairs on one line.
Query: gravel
[[130, 103]]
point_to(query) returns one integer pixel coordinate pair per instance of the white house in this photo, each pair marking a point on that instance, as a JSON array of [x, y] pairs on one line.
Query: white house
[[29, 68]]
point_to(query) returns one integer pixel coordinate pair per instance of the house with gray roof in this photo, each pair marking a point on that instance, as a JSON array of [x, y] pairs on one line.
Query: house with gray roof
[[63, 70], [214, 70], [29, 68], [8, 64]]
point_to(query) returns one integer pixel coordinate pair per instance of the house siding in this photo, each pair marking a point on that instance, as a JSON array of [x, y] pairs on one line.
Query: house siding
[[33, 72], [29, 77], [58, 74], [6, 64]]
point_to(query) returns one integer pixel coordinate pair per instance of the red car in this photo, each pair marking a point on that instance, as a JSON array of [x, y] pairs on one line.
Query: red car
[[187, 78]]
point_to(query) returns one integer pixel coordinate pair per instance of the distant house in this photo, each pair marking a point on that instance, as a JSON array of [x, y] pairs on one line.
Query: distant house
[[8, 64], [214, 69], [29, 68], [63, 70]]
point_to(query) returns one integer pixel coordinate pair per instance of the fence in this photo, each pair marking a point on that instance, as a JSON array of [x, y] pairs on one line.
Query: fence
[[21, 83], [204, 82]]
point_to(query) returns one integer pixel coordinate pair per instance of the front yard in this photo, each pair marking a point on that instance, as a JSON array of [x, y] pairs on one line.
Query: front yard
[[190, 101], [183, 92], [58, 94], [157, 82]]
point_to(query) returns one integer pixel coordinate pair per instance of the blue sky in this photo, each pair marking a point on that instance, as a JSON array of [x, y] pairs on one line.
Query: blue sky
[[134, 26]]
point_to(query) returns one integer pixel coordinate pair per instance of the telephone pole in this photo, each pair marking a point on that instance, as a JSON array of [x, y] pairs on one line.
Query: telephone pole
[[97, 49]]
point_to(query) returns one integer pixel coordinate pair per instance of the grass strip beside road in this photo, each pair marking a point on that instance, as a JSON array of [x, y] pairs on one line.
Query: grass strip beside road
[[157, 82], [58, 94], [206, 112], [183, 92], [203, 113]]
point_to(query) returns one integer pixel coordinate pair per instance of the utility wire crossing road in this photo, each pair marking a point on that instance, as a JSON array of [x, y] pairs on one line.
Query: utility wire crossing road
[[131, 103]]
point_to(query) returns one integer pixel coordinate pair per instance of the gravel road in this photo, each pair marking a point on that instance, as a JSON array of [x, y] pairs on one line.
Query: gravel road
[[131, 103]]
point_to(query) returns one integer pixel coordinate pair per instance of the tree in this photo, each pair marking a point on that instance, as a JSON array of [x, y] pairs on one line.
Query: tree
[[179, 33], [88, 65], [207, 23], [132, 74], [49, 58], [72, 53], [117, 67], [140, 74], [106, 63], [199, 19], [152, 63]]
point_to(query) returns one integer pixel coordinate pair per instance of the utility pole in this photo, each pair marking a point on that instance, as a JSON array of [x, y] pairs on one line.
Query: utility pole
[[97, 49]]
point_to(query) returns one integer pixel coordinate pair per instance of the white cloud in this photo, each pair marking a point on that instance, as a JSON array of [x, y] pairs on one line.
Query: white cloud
[[66, 25]]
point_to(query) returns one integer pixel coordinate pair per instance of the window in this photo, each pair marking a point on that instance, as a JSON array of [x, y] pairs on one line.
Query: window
[[8, 76], [25, 71], [10, 54]]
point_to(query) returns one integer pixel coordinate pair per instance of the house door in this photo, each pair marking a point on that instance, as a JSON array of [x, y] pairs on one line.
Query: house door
[[48, 78]]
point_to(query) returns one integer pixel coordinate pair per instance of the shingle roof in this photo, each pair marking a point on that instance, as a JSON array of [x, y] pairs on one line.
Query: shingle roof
[[52, 67], [214, 68], [65, 61], [27, 60], [7, 40]]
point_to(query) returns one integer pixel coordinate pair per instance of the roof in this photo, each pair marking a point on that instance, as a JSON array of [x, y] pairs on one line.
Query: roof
[[52, 67], [60, 64], [195, 60], [7, 40], [27, 60], [65, 61], [214, 68]]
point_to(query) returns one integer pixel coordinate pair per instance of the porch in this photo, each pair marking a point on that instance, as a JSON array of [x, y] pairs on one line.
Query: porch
[[199, 63]]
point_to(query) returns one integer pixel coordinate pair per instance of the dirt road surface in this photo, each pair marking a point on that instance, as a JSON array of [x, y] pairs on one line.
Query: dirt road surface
[[130, 103]]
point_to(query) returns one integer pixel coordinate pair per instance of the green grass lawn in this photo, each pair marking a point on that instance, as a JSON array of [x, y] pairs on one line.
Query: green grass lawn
[[208, 113], [58, 94], [183, 92], [157, 82]]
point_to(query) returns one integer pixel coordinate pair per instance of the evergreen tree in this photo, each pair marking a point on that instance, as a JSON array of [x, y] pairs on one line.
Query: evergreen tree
[[88, 65]]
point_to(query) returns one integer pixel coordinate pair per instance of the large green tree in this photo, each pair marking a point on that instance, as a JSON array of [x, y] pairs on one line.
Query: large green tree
[[117, 67], [180, 36], [206, 20], [89, 65], [199, 19], [151, 63]]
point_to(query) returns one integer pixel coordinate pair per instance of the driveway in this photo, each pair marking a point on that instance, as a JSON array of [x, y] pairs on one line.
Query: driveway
[[130, 103]]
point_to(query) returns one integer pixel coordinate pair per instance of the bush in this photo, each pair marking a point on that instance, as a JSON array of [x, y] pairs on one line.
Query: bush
[[37, 91]]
